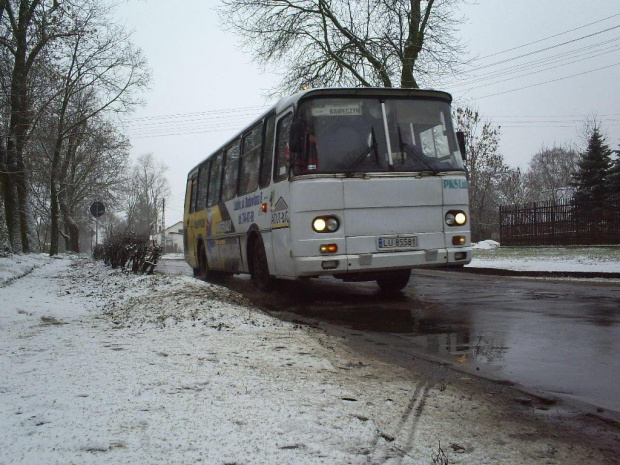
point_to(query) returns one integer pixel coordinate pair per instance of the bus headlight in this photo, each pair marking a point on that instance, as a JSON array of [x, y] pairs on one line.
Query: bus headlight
[[325, 224], [456, 218]]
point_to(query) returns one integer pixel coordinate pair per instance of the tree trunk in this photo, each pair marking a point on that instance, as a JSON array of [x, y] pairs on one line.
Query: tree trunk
[[54, 217], [20, 120], [55, 197], [23, 195], [10, 198], [16, 187], [66, 179], [414, 42], [72, 239]]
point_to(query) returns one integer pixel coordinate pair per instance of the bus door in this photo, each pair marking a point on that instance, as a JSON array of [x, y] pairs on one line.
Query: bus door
[[280, 201], [190, 232]]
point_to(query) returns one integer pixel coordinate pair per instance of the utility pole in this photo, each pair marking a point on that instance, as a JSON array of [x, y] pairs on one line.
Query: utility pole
[[153, 237], [163, 224]]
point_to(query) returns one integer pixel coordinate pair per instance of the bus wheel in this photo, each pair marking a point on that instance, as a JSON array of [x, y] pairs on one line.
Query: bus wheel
[[260, 270], [203, 267], [394, 281]]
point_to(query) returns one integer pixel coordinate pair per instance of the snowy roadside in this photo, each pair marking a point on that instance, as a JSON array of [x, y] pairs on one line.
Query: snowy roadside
[[487, 254], [19, 265], [569, 265], [99, 366]]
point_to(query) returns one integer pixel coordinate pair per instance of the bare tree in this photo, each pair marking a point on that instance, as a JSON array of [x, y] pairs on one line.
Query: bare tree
[[322, 43], [550, 173], [27, 27], [514, 187], [99, 72], [69, 64], [486, 169], [94, 166], [147, 186]]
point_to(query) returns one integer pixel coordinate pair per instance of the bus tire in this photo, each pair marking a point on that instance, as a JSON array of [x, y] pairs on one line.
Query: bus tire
[[203, 266], [394, 281], [260, 269]]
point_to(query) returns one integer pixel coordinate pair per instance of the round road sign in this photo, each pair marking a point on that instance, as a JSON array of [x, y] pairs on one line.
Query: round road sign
[[97, 209]]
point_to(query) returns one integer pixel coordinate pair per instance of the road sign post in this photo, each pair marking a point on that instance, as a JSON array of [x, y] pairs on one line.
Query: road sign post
[[97, 209]]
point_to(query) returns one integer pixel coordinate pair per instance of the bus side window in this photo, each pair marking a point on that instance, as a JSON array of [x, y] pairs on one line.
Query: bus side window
[[250, 161], [203, 184], [215, 180], [192, 202], [231, 172], [283, 154], [267, 154]]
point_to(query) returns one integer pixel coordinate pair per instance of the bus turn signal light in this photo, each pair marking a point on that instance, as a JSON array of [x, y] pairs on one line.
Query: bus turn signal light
[[458, 240], [264, 207], [329, 248]]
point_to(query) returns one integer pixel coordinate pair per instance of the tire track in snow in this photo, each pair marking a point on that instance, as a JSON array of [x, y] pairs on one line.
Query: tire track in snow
[[10, 280]]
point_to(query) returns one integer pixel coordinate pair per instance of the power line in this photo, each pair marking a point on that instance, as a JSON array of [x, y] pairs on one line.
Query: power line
[[181, 125], [551, 81], [147, 136], [192, 123], [139, 125], [539, 71], [547, 48], [546, 38], [537, 126], [548, 116], [200, 113], [546, 61]]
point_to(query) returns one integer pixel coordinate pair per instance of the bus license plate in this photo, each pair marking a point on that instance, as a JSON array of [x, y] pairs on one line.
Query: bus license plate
[[397, 242]]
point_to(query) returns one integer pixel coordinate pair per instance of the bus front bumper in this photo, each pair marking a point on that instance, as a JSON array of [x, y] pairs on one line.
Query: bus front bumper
[[372, 262]]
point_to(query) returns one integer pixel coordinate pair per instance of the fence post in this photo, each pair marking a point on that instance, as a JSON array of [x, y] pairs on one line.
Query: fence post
[[535, 222], [501, 224]]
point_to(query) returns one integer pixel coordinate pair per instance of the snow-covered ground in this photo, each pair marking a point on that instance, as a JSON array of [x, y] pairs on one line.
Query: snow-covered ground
[[487, 254], [103, 367], [19, 265]]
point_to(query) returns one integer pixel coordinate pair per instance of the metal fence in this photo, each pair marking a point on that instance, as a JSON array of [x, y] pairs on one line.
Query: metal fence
[[565, 222]]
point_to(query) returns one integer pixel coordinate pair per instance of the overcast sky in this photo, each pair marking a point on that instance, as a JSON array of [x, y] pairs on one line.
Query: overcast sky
[[539, 69]]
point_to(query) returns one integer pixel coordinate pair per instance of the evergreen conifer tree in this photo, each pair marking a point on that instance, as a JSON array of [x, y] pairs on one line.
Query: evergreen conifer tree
[[591, 179], [613, 177]]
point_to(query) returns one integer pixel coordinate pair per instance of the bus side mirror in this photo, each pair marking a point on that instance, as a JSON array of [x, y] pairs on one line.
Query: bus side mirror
[[295, 136], [460, 137]]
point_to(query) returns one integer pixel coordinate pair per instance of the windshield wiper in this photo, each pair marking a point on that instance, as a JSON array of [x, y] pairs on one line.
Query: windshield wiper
[[362, 156], [410, 151]]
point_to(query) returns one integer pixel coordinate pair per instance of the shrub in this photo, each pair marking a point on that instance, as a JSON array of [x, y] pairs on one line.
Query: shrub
[[98, 252], [130, 252]]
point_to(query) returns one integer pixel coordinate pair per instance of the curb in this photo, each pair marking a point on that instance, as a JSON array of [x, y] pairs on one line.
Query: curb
[[540, 274]]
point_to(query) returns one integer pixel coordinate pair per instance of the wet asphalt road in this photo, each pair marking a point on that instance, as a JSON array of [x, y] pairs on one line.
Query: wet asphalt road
[[556, 336]]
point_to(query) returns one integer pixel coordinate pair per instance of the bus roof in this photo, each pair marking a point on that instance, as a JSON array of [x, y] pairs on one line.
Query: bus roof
[[293, 100]]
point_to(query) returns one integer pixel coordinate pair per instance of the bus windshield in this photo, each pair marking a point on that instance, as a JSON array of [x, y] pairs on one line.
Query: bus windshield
[[348, 135]]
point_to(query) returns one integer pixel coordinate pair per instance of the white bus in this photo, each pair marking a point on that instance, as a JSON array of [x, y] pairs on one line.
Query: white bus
[[362, 184]]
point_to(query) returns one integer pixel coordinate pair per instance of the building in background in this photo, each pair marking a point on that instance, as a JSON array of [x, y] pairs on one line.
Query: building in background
[[173, 237]]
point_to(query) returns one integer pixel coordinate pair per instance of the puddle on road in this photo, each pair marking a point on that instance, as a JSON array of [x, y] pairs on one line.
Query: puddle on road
[[462, 347], [422, 324]]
